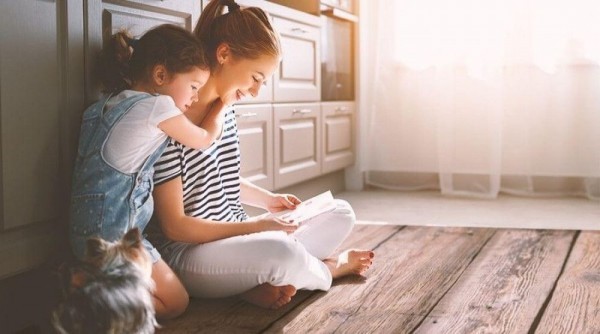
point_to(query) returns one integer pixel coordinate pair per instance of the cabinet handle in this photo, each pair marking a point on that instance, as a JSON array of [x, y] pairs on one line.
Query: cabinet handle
[[301, 111], [300, 30], [247, 114], [341, 109]]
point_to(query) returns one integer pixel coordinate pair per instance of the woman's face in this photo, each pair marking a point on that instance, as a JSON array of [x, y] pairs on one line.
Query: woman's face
[[243, 78]]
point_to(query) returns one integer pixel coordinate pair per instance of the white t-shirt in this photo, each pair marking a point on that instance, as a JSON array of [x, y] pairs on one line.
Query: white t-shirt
[[137, 135]]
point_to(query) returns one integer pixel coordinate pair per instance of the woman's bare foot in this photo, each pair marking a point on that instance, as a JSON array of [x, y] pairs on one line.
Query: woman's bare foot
[[350, 262], [269, 296]]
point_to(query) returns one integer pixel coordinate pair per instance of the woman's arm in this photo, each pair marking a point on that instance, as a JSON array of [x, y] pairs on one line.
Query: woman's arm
[[256, 196], [177, 226]]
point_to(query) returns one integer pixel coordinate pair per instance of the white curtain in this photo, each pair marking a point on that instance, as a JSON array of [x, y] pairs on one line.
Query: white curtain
[[475, 97]]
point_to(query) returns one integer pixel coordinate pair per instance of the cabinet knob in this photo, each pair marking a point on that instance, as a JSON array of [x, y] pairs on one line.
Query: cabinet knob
[[247, 114], [300, 30], [301, 111]]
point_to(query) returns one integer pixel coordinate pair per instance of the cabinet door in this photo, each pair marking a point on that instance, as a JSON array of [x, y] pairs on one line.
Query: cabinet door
[[41, 95], [297, 143], [30, 110], [298, 77], [255, 129], [137, 16], [338, 139]]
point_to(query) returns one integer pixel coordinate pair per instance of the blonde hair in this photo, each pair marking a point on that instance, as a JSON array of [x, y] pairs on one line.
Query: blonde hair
[[247, 31]]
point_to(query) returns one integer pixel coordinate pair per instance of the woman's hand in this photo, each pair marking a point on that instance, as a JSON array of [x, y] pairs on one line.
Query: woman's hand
[[280, 202], [275, 224]]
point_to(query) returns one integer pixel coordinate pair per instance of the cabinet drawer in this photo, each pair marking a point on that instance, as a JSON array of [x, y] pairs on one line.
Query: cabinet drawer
[[298, 77], [297, 143], [256, 143], [338, 135]]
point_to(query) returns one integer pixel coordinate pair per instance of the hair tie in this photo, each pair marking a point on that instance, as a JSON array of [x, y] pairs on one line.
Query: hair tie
[[133, 42], [232, 6]]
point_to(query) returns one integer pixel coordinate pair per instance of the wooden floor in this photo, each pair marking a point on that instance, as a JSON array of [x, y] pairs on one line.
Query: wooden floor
[[437, 280]]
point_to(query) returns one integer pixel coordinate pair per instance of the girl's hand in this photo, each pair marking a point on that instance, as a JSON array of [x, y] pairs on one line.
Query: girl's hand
[[275, 224], [280, 202]]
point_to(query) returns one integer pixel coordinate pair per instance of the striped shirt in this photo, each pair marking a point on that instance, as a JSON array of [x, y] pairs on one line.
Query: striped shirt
[[210, 178]]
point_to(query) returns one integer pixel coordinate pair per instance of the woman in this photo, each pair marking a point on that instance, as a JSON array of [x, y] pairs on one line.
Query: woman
[[201, 228]]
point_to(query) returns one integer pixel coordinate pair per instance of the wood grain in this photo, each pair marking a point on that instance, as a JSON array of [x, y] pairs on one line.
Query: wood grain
[[231, 315], [412, 270], [505, 287], [575, 304]]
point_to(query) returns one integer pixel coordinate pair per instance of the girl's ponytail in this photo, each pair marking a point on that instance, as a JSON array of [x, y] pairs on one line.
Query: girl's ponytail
[[126, 61], [247, 31], [114, 62]]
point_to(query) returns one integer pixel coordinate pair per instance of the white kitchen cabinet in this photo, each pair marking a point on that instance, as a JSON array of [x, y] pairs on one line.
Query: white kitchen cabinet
[[255, 129], [338, 138], [298, 77], [297, 143]]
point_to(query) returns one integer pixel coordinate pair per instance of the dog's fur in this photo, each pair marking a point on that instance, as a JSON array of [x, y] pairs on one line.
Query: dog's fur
[[110, 292]]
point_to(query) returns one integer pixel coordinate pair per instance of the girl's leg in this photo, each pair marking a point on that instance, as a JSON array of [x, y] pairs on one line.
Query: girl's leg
[[169, 297], [323, 234], [236, 265]]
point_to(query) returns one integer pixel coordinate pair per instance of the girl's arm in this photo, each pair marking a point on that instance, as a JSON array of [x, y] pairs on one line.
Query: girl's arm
[[187, 133], [177, 226], [256, 196]]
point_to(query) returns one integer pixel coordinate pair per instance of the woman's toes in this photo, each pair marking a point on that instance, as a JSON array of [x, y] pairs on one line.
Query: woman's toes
[[288, 290]]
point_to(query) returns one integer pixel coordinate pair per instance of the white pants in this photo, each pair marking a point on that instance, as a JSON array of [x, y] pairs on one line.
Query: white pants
[[234, 265]]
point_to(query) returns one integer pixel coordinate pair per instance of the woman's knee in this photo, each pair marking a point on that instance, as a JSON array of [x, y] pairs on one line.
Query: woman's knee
[[284, 253], [343, 216]]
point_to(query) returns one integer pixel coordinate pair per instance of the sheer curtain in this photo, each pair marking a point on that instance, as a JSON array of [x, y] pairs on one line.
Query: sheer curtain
[[479, 97]]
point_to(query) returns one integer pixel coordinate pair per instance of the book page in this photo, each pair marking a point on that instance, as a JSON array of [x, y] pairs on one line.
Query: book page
[[308, 209]]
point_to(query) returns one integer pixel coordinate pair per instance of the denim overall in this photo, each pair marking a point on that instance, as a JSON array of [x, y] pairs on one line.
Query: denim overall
[[106, 202]]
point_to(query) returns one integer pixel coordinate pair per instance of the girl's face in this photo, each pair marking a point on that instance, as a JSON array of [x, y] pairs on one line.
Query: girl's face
[[183, 87], [243, 78]]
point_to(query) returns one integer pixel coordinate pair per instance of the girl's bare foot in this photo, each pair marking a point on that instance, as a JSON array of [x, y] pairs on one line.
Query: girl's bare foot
[[269, 296], [350, 262]]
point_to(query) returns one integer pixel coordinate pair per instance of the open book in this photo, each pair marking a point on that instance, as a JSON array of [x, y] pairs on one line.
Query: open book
[[308, 209]]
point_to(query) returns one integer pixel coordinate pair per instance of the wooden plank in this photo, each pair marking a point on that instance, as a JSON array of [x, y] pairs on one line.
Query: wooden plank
[[233, 315], [411, 272], [575, 304], [503, 290]]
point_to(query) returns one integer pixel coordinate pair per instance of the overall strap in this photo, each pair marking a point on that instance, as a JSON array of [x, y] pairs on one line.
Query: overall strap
[[96, 109]]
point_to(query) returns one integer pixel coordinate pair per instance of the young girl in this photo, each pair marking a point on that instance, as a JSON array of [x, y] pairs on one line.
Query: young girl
[[152, 82]]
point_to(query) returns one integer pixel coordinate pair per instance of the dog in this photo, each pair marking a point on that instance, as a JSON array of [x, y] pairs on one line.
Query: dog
[[110, 291]]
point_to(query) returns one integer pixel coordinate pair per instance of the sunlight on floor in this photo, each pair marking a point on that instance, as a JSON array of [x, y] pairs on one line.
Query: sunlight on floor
[[429, 208]]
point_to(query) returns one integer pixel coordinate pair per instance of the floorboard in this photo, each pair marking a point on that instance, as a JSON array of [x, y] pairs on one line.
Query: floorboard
[[436, 280], [575, 304], [411, 270], [503, 290]]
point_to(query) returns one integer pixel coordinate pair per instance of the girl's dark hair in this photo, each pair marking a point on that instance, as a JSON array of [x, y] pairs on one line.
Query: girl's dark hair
[[125, 61], [247, 31]]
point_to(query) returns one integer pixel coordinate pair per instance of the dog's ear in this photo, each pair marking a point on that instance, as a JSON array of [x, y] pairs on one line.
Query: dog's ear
[[95, 249], [133, 238]]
